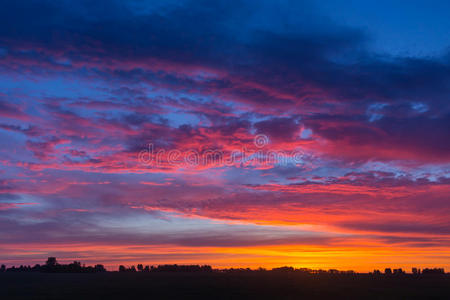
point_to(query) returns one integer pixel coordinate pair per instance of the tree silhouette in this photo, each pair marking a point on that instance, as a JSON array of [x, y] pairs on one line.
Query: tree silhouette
[[428, 271], [51, 262], [99, 268]]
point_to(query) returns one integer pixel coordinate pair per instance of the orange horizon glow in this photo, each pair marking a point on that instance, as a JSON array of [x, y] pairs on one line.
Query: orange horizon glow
[[363, 260]]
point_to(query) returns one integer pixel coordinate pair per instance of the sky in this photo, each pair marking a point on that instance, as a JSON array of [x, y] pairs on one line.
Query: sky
[[230, 133]]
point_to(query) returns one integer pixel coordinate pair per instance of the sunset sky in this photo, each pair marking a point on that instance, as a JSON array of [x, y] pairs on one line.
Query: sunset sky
[[145, 132]]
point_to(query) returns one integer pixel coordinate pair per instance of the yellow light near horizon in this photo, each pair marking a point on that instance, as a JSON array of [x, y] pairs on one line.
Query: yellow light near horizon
[[360, 259]]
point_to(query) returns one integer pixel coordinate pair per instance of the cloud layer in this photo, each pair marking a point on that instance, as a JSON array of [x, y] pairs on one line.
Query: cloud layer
[[86, 87]]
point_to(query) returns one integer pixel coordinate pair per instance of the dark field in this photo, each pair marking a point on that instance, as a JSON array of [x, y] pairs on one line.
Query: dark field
[[266, 285]]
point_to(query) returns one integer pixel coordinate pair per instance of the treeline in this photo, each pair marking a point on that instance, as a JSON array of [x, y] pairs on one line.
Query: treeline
[[415, 271], [288, 270], [387, 272], [52, 266], [167, 268]]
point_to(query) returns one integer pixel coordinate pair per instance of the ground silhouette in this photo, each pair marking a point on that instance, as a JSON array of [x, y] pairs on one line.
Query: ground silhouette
[[76, 281]]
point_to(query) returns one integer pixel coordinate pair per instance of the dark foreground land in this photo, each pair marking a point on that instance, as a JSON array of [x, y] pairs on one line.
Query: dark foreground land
[[254, 285]]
